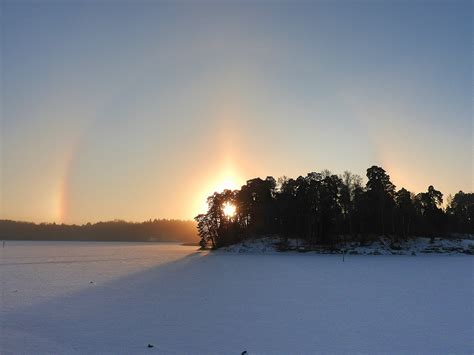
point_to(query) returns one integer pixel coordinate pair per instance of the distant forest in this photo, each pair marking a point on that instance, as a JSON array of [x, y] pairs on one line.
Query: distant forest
[[152, 230], [323, 209]]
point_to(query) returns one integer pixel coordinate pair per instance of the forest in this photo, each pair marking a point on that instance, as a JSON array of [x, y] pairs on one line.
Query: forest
[[324, 208], [152, 230]]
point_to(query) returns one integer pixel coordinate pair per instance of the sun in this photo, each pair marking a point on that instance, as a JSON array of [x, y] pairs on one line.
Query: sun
[[229, 209]]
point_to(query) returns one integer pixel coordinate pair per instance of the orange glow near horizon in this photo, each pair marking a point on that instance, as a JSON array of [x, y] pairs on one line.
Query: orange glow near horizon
[[228, 179]]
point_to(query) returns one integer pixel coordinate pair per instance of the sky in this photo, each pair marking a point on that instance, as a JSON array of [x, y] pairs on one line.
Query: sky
[[140, 109]]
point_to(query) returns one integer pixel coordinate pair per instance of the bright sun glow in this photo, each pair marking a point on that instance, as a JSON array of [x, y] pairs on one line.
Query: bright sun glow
[[229, 209], [228, 183], [228, 179]]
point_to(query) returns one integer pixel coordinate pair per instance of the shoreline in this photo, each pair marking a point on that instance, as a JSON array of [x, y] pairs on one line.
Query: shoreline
[[380, 246]]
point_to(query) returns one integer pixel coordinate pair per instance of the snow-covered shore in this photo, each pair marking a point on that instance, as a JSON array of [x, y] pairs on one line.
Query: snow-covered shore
[[381, 246]]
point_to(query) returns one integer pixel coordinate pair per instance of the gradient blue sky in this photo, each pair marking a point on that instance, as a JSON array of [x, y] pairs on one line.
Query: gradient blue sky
[[140, 109]]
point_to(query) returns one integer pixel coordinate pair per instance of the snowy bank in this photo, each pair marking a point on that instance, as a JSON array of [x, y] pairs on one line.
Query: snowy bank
[[381, 246]]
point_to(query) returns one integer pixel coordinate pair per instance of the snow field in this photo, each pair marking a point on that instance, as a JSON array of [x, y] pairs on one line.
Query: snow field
[[188, 302]]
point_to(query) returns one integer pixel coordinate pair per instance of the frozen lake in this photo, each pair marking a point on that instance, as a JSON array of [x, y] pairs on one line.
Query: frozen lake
[[85, 297]]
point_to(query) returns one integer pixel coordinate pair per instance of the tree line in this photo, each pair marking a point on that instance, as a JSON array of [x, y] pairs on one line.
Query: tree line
[[322, 208], [118, 230]]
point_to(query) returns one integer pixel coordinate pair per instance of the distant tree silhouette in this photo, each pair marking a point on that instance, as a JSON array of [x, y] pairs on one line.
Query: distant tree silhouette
[[152, 230], [321, 208]]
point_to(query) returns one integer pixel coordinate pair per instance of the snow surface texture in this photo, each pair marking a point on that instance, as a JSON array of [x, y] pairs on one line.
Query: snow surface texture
[[116, 298], [383, 246]]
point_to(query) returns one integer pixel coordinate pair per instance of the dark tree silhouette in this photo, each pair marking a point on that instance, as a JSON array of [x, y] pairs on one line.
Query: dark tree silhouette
[[461, 212], [405, 211], [322, 208], [380, 192], [428, 206]]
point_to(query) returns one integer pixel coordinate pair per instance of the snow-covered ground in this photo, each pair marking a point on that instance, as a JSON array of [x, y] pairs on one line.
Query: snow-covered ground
[[116, 298]]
